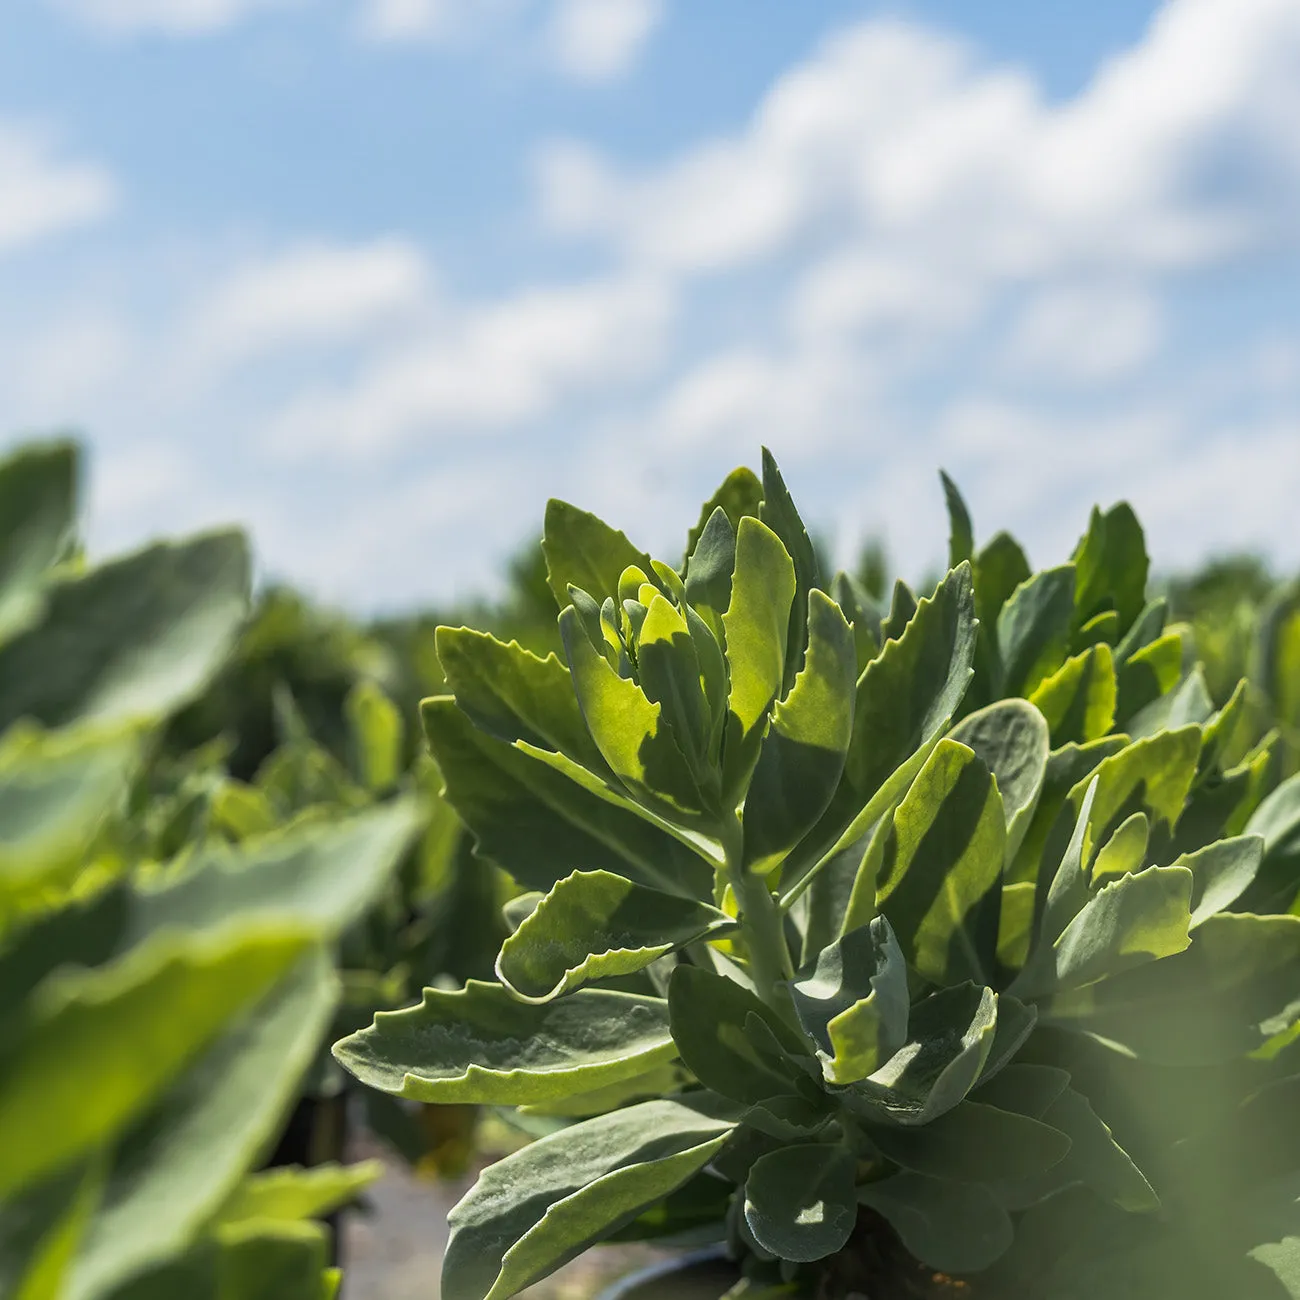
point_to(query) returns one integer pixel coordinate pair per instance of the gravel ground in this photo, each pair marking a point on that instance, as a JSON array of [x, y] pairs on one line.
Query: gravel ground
[[395, 1252]]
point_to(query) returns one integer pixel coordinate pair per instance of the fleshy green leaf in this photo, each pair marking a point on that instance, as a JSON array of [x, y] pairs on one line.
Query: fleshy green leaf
[[594, 925], [633, 736], [902, 609], [583, 551], [779, 514], [1112, 565], [542, 1206], [740, 494], [1153, 774], [1147, 674], [952, 1227], [961, 533], [905, 698], [1125, 851], [943, 867], [1045, 840], [853, 1002], [802, 756], [1134, 919], [1078, 700], [513, 695], [481, 1045], [1011, 739], [539, 824], [1221, 873], [756, 624], [41, 1229], [800, 1202], [132, 1028], [711, 564], [671, 676], [714, 1025], [950, 1035], [132, 639], [1034, 629], [272, 1261]]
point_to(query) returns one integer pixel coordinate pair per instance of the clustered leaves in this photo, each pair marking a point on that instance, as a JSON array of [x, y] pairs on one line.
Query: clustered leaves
[[950, 939], [162, 993]]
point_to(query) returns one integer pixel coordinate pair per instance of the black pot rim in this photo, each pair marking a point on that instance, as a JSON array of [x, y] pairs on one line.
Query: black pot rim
[[664, 1269]]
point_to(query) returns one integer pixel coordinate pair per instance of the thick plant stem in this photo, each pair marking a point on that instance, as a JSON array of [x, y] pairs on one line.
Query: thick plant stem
[[763, 928]]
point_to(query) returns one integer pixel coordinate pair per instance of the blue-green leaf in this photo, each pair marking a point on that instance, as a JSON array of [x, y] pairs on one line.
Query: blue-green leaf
[[542, 1206], [481, 1045], [594, 925], [799, 1201]]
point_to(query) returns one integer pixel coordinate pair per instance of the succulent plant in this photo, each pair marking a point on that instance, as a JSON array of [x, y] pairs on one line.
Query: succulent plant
[[877, 946]]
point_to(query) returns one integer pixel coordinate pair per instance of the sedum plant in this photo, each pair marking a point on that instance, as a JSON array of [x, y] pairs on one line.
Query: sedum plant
[[158, 1010], [896, 952]]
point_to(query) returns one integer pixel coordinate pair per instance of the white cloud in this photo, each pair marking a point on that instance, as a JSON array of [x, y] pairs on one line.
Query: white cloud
[[896, 135], [585, 40], [171, 17], [488, 367], [444, 21], [596, 40], [40, 193], [310, 294], [1085, 333]]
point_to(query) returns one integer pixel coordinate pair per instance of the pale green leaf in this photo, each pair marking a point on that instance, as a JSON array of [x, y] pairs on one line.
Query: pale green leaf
[[756, 623], [539, 824], [802, 756], [631, 732], [853, 1002], [950, 1036], [545, 1204], [481, 1045], [1078, 700], [1034, 629], [594, 925], [1011, 739], [943, 865], [583, 551], [716, 1024]]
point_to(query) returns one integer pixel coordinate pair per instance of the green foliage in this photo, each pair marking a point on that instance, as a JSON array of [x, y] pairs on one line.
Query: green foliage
[[916, 930], [164, 986]]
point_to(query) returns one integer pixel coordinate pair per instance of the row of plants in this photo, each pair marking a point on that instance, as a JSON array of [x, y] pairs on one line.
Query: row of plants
[[788, 917]]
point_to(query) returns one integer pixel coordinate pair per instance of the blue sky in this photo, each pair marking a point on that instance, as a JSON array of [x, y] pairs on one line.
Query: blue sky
[[376, 277]]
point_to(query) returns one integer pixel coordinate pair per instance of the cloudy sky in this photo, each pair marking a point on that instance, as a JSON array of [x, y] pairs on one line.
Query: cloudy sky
[[378, 276]]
